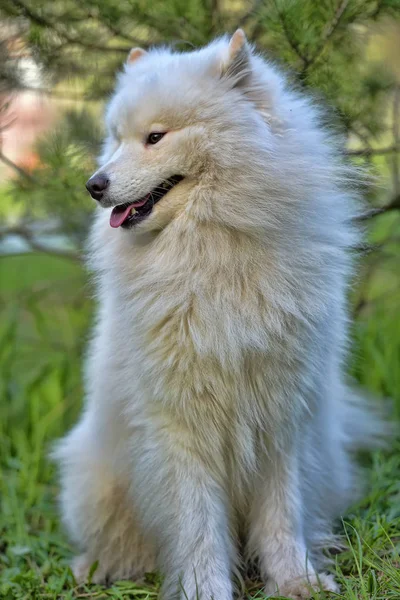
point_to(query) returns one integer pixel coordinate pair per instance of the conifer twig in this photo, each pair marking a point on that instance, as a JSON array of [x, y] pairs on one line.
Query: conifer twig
[[293, 43], [373, 151], [7, 161], [327, 34], [24, 232], [78, 41]]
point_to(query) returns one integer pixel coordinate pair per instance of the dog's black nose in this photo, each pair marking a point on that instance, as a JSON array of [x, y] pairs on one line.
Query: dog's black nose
[[97, 185]]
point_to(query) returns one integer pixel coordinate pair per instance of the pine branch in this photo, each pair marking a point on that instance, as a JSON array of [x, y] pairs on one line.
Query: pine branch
[[15, 167], [24, 233], [78, 41], [368, 275], [377, 11], [328, 33], [245, 18], [394, 204], [396, 137], [119, 33], [373, 151], [290, 39], [58, 94], [214, 12], [7, 124], [352, 128]]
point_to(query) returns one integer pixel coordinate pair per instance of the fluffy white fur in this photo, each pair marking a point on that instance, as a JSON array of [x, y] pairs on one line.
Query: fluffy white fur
[[217, 415]]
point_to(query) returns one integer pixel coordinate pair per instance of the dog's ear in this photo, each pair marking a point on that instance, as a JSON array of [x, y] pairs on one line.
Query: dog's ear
[[236, 61], [242, 70], [134, 55]]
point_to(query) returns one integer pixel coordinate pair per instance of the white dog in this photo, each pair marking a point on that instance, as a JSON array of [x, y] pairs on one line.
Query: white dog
[[217, 413]]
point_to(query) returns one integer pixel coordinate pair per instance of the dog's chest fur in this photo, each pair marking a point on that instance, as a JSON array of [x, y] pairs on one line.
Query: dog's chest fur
[[202, 331]]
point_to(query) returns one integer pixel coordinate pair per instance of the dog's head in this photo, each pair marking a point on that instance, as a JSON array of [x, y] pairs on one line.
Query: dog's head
[[177, 120]]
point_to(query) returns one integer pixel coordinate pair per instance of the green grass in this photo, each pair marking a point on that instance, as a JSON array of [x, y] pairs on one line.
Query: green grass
[[46, 311]]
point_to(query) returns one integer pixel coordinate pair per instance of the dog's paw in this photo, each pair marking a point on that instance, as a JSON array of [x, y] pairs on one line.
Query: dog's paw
[[85, 569], [301, 589]]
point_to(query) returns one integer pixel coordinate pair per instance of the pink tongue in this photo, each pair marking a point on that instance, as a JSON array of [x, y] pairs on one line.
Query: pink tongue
[[118, 216]]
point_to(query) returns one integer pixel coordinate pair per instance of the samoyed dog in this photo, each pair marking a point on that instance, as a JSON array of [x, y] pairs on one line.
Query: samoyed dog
[[218, 425]]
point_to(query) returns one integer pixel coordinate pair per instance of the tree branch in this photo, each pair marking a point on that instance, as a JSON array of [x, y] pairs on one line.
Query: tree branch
[[376, 12], [122, 34], [326, 36], [24, 233], [243, 21], [291, 40], [369, 270], [16, 168], [394, 204], [396, 137], [373, 151], [58, 94], [47, 23]]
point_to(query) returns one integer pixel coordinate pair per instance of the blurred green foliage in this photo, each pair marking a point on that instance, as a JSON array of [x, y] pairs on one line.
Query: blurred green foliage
[[55, 188], [79, 45], [343, 52]]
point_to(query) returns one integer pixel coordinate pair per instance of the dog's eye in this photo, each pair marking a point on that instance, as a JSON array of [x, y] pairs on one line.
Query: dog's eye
[[155, 137]]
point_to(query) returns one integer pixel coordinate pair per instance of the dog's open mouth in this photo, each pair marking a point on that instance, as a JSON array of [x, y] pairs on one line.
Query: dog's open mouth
[[129, 214]]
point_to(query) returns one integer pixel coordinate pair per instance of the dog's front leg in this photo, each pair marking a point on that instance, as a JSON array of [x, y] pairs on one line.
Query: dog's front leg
[[180, 495], [276, 529]]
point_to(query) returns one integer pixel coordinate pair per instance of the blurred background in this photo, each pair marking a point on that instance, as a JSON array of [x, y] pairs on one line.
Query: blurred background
[[58, 60]]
